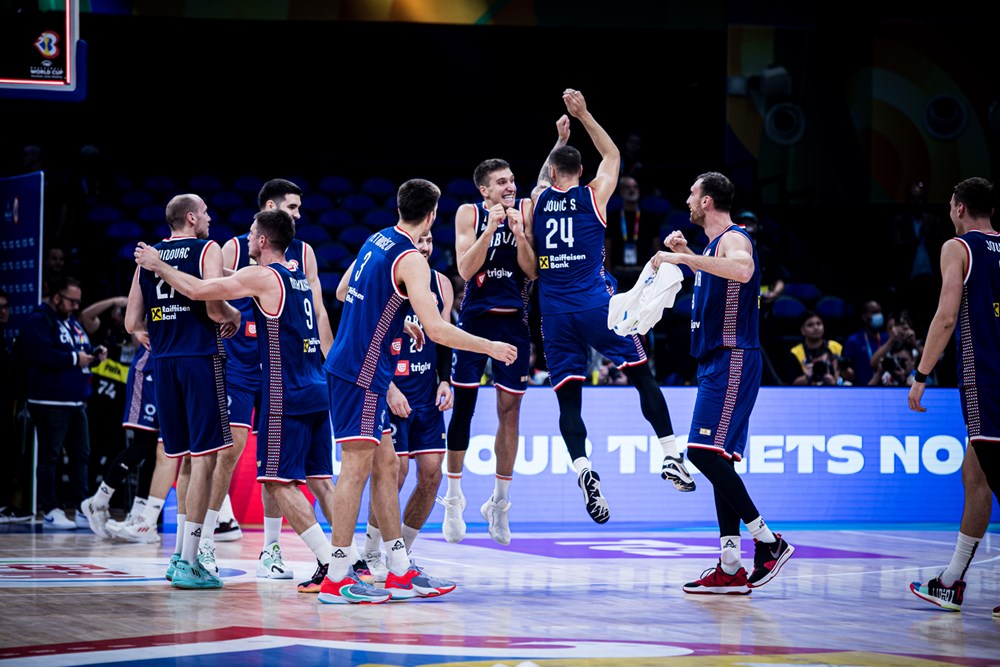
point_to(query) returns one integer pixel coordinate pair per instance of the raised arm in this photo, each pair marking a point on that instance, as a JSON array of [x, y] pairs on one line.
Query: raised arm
[[606, 180], [90, 317], [545, 175], [248, 281]]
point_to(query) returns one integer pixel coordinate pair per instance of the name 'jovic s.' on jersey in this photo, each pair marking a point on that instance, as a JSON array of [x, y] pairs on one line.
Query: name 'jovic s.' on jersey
[[294, 381], [725, 312], [373, 314], [243, 362], [569, 241], [178, 326], [499, 284], [978, 326]]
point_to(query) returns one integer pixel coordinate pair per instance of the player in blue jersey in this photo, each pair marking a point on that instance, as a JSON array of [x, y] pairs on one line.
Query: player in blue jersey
[[243, 380], [725, 340], [388, 272], [968, 306], [574, 293], [498, 265], [295, 442], [188, 369], [417, 398]]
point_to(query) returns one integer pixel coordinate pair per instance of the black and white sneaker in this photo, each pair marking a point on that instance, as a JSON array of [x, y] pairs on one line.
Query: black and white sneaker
[[11, 514], [597, 505], [228, 531], [674, 471]]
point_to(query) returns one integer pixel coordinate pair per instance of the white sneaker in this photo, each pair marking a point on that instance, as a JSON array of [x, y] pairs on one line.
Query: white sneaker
[[206, 556], [96, 516], [495, 514], [453, 526], [134, 529], [270, 565], [56, 520], [376, 565]]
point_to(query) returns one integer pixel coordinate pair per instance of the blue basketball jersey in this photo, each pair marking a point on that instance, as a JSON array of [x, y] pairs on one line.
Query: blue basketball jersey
[[373, 313], [499, 283], [177, 325], [569, 240], [243, 362], [289, 350], [724, 313], [978, 328], [416, 370]]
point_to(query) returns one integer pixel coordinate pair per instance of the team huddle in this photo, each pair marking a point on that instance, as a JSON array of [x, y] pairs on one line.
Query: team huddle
[[240, 341]]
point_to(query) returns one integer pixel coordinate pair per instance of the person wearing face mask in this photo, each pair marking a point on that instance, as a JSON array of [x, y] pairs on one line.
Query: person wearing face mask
[[861, 346]]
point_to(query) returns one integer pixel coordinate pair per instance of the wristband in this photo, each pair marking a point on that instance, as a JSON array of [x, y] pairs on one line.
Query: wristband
[[919, 377]]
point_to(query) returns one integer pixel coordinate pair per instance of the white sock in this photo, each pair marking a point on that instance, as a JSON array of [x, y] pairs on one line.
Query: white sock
[[581, 464], [409, 537], [103, 496], [373, 539], [501, 487], [354, 555], [226, 511], [965, 549], [211, 521], [272, 530], [669, 446], [731, 558], [454, 484], [138, 506], [316, 541], [192, 536], [152, 511], [760, 531], [340, 560], [397, 558], [179, 542]]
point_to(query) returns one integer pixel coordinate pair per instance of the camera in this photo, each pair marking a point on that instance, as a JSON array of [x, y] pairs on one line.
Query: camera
[[890, 364], [820, 369]]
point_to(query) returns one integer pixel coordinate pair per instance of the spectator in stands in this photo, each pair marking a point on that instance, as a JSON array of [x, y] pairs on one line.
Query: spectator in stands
[[860, 347], [632, 235], [896, 368], [814, 346], [53, 269], [10, 448], [901, 333], [917, 235]]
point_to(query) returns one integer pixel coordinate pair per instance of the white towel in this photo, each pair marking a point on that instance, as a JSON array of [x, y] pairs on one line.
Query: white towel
[[637, 310]]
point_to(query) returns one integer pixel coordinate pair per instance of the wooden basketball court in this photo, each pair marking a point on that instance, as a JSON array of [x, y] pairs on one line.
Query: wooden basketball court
[[606, 596]]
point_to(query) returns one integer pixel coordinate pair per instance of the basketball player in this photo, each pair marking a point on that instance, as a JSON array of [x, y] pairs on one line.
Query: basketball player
[[244, 379], [498, 265], [970, 292], [417, 398], [725, 340], [388, 271], [574, 293], [188, 369], [295, 442]]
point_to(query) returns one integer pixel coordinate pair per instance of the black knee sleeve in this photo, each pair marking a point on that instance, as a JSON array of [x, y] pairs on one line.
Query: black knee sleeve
[[461, 418], [142, 447], [651, 401], [571, 426], [727, 484]]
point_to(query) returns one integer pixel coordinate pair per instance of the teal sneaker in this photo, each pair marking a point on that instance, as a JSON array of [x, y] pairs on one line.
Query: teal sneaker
[[173, 565], [194, 576]]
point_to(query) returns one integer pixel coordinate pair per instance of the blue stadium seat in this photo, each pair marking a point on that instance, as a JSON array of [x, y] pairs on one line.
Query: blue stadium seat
[[312, 234], [444, 234], [831, 308], [136, 199], [354, 237], [220, 233], [379, 218], [104, 214], [788, 308], [336, 186], [249, 186], [205, 185], [463, 189], [316, 203], [336, 219], [226, 200], [358, 203], [329, 280], [241, 218], [160, 185], [330, 254], [125, 230], [152, 215], [807, 293], [655, 204], [378, 187], [447, 206]]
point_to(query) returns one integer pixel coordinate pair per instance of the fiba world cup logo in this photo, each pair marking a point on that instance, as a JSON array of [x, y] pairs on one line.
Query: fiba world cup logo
[[48, 44]]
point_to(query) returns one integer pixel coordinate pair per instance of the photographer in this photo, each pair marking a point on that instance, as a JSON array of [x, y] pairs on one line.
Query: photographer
[[896, 369], [901, 334], [814, 347], [58, 356]]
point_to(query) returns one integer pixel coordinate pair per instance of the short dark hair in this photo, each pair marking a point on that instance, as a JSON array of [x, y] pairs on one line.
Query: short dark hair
[[719, 188], [178, 208], [276, 190], [566, 160], [278, 226], [806, 316], [416, 198], [61, 283], [481, 176], [977, 195]]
